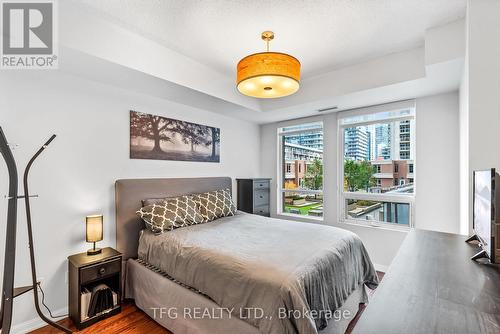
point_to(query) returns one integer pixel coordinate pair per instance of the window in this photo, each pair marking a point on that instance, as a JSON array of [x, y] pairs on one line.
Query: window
[[404, 155], [404, 146], [377, 167], [388, 212], [301, 190], [404, 129]]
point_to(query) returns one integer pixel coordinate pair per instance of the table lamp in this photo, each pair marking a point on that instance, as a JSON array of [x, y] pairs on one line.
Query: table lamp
[[94, 232]]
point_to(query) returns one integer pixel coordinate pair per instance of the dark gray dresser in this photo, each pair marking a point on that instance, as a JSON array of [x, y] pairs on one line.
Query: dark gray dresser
[[253, 196]]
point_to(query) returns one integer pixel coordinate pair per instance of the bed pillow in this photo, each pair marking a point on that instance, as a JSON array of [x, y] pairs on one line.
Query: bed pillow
[[149, 201], [215, 204], [171, 214]]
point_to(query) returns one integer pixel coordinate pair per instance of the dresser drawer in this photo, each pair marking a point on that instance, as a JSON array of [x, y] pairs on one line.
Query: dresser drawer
[[260, 197], [261, 184], [99, 270], [261, 210]]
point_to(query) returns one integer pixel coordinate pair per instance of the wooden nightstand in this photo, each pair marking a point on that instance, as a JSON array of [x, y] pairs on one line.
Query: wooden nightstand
[[87, 271]]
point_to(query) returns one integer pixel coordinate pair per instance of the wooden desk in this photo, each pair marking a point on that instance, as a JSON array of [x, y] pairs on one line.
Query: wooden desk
[[432, 286]]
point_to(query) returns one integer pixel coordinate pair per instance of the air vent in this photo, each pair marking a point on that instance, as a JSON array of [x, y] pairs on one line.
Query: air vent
[[328, 109]]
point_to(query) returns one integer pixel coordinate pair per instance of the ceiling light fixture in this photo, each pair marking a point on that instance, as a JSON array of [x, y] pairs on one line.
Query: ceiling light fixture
[[267, 74]]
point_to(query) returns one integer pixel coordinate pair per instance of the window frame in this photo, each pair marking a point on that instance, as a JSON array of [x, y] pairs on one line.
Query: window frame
[[343, 196], [281, 190]]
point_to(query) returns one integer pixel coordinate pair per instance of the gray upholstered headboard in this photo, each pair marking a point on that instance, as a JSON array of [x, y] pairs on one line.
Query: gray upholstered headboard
[[130, 192]]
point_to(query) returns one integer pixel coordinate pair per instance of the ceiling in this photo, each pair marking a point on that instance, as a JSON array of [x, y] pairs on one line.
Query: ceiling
[[324, 35]]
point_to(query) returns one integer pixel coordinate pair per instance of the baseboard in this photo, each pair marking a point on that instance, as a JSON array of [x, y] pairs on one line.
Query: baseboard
[[379, 267], [35, 323]]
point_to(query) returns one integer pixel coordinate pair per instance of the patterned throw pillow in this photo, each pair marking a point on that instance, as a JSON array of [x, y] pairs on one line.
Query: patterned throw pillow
[[215, 204], [149, 201], [171, 214]]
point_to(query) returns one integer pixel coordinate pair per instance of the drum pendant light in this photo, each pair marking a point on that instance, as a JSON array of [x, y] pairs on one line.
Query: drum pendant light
[[267, 74]]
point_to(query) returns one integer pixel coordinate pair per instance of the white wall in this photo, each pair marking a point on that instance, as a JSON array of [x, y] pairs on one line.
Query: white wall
[[482, 85], [382, 244], [437, 171], [75, 175]]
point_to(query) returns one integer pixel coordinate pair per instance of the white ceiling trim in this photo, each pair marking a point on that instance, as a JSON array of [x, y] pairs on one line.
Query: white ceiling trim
[[324, 34], [81, 31], [408, 74]]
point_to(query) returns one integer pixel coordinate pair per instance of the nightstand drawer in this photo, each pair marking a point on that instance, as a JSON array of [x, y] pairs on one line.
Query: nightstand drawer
[[99, 270]]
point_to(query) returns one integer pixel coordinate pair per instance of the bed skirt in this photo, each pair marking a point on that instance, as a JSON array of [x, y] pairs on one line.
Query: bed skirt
[[184, 311]]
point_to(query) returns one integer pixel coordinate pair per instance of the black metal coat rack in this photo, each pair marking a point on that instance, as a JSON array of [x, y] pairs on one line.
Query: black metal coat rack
[[9, 292]]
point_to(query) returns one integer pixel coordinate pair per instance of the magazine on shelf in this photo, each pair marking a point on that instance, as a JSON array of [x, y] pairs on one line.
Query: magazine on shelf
[[86, 299]]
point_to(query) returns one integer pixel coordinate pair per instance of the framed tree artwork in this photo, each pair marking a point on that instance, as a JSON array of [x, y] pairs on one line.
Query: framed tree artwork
[[161, 138]]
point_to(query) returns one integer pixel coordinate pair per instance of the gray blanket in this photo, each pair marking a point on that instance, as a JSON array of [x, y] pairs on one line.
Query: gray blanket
[[263, 268]]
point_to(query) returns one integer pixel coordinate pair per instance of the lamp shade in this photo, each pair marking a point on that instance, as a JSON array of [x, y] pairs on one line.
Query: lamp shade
[[268, 75], [94, 228]]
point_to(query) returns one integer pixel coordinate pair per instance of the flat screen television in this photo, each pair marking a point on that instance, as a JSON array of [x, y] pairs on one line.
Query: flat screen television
[[485, 212]]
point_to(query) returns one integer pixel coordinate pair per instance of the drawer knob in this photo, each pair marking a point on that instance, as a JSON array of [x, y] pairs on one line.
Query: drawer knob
[[102, 271], [261, 196]]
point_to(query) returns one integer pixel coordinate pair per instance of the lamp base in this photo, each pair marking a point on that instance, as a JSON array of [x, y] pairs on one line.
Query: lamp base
[[94, 251]]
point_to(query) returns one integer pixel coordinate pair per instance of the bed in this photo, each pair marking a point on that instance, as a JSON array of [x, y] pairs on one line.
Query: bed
[[240, 274]]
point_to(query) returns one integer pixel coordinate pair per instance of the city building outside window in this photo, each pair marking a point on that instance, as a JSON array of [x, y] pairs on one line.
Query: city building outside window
[[377, 167], [301, 191]]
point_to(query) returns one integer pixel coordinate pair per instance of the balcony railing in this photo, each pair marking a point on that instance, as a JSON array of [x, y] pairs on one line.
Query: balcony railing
[[383, 175]]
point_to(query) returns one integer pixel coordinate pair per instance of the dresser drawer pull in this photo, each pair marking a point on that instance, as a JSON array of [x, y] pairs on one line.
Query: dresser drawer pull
[[102, 271]]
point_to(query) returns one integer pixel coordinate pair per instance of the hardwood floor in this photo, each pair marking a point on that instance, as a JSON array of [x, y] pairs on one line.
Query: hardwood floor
[[362, 308], [129, 320], [133, 320]]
